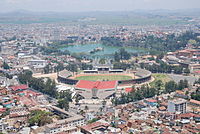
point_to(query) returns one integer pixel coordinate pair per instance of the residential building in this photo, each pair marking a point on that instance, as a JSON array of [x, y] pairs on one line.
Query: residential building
[[177, 105]]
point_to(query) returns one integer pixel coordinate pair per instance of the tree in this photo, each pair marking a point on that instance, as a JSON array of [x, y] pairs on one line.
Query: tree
[[178, 70], [119, 65], [77, 98], [38, 84], [195, 96], [197, 81], [72, 67], [59, 67], [158, 84], [85, 66], [47, 69], [104, 103], [170, 86], [49, 87], [121, 55], [102, 61], [86, 108], [182, 84], [186, 71], [116, 57], [93, 120], [82, 112], [5, 66], [63, 104], [40, 118], [160, 56]]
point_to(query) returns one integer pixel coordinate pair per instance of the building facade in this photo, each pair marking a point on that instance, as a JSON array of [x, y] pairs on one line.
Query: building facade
[[179, 105]]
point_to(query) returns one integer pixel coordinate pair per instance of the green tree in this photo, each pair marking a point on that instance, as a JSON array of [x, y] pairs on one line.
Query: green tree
[[186, 71], [86, 108], [47, 69], [72, 67], [40, 118], [182, 84], [5, 66], [102, 61], [63, 104], [59, 67], [158, 84], [178, 70], [170, 86]]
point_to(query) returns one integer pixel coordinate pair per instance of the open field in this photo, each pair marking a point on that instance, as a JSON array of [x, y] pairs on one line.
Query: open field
[[104, 77], [52, 76], [163, 77]]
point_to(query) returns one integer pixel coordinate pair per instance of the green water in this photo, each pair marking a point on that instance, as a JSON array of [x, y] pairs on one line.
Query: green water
[[108, 51]]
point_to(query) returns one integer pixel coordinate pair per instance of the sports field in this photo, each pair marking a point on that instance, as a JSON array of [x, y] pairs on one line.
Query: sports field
[[103, 77]]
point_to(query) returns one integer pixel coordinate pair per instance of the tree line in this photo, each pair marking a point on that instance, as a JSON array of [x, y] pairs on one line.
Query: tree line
[[146, 91], [164, 44], [46, 86], [162, 67], [73, 67], [196, 95]]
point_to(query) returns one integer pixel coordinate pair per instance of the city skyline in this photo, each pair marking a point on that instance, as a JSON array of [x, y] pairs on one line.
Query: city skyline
[[97, 5]]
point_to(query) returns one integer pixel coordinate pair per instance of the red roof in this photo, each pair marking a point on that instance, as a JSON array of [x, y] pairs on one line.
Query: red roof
[[30, 93], [94, 126], [197, 72], [15, 88], [9, 102], [83, 84], [26, 101], [129, 89], [2, 110], [188, 115], [195, 101], [151, 100]]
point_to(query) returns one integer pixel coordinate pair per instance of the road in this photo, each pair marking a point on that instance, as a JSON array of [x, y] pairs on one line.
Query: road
[[177, 78]]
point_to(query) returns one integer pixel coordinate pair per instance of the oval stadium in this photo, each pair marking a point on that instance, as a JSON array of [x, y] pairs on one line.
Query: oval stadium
[[123, 78]]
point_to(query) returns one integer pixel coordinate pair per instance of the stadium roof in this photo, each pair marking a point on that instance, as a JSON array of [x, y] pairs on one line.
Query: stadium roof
[[83, 84]]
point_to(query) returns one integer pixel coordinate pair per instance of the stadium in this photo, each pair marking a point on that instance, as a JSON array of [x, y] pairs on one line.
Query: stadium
[[102, 82], [124, 78]]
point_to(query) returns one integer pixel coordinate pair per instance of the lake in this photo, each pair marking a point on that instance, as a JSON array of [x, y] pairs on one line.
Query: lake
[[107, 52]]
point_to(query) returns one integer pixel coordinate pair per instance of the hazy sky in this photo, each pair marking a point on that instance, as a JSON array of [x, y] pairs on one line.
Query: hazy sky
[[95, 5]]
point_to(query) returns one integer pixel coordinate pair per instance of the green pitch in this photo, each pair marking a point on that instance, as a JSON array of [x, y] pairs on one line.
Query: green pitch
[[104, 77]]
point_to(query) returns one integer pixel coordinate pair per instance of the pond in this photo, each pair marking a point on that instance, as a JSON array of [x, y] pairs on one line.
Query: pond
[[107, 51]]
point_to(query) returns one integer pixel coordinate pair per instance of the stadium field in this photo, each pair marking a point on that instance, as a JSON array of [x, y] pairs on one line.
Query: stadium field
[[103, 77]]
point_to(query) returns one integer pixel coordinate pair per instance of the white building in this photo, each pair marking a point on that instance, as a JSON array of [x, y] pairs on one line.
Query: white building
[[177, 105], [42, 63], [37, 65]]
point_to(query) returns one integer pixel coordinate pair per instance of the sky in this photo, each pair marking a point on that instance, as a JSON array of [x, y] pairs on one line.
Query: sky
[[95, 5]]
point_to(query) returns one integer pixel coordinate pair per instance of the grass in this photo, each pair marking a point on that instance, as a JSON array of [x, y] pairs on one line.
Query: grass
[[163, 77], [103, 77]]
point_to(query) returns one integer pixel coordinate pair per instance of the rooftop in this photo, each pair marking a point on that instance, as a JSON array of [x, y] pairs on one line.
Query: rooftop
[[83, 84], [178, 101], [15, 88]]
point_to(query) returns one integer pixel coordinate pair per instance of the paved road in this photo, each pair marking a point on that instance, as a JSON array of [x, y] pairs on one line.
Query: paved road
[[177, 78]]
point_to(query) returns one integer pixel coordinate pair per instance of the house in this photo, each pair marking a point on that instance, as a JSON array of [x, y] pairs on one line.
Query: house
[[128, 89], [9, 104], [18, 88], [181, 94], [96, 126], [2, 110], [151, 102], [194, 103]]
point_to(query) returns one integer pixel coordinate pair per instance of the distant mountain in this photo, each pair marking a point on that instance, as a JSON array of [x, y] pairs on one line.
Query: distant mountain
[[139, 11], [136, 17]]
